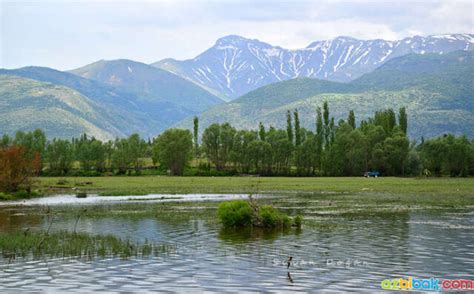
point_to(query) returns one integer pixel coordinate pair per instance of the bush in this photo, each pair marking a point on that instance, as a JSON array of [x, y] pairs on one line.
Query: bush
[[236, 213], [18, 195], [297, 221], [272, 218], [17, 169], [193, 172], [4, 196], [241, 213]]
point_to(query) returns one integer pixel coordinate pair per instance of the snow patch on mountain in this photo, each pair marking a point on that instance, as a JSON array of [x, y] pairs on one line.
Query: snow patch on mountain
[[236, 65]]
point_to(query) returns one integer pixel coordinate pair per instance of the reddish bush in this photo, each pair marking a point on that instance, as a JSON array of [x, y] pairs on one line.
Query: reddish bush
[[17, 169]]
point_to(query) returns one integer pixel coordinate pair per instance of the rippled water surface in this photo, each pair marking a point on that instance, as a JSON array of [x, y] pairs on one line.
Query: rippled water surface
[[356, 254]]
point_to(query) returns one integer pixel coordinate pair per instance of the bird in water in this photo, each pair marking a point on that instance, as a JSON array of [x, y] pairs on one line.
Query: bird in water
[[289, 277], [288, 262]]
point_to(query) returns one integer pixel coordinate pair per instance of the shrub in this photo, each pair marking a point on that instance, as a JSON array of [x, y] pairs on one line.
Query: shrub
[[17, 169], [236, 213], [297, 221], [241, 213], [272, 218], [4, 196]]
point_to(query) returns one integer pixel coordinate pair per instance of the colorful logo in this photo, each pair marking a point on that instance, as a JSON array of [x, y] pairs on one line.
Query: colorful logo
[[431, 284]]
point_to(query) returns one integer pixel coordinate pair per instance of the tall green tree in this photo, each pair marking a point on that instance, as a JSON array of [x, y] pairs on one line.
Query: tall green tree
[[239, 154], [6, 141], [128, 153], [261, 131], [297, 128], [196, 135], [59, 156], [217, 141], [260, 154], [403, 119], [289, 127], [34, 143], [351, 119], [282, 151], [396, 150], [173, 149], [326, 121]]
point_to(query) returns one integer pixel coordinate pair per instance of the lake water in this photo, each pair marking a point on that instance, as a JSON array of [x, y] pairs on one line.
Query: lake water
[[355, 255]]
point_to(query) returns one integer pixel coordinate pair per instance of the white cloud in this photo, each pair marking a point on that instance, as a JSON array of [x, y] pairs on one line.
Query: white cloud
[[70, 35]]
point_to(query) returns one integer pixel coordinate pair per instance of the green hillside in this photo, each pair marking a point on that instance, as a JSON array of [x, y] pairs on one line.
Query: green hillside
[[151, 84], [436, 89], [120, 107], [144, 102], [27, 104], [448, 74]]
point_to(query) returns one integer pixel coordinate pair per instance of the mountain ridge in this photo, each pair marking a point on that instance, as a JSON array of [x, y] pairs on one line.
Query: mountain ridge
[[146, 102], [235, 65], [437, 102]]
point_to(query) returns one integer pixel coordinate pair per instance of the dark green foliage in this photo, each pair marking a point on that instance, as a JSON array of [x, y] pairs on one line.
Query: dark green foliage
[[289, 128], [351, 119], [6, 141], [90, 153], [127, 153], [272, 218], [241, 213], [379, 143], [196, 135], [261, 131], [217, 142], [326, 122], [297, 128], [173, 149], [59, 156], [403, 120], [240, 156], [298, 220], [447, 155], [260, 153], [237, 213], [32, 142]]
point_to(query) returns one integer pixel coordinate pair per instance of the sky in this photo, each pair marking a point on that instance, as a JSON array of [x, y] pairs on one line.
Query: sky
[[69, 34]]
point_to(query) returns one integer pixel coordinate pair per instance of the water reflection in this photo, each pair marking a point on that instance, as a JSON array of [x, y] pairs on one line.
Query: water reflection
[[358, 254], [248, 234]]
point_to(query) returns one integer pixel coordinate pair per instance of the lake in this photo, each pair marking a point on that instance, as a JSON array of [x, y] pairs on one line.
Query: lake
[[339, 250]]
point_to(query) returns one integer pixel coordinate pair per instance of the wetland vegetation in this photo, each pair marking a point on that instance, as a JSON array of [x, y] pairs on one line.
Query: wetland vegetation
[[283, 192]]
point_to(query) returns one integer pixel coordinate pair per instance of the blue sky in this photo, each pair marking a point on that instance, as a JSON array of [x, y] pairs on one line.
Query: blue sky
[[69, 34]]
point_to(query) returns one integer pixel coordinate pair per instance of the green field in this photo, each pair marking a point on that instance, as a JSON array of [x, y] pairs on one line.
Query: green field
[[164, 184]]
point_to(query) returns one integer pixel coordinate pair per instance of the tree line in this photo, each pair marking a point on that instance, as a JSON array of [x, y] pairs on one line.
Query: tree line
[[330, 148]]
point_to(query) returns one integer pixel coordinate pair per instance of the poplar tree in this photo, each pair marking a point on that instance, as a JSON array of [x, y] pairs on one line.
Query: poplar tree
[[297, 128], [289, 128], [195, 135], [403, 120], [351, 119], [261, 132]]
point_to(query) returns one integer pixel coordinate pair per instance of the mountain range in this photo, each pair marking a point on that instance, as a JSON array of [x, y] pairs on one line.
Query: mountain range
[[130, 96], [432, 76], [437, 91], [236, 65]]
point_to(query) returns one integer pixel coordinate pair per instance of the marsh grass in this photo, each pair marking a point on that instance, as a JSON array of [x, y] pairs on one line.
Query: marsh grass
[[64, 244], [141, 185]]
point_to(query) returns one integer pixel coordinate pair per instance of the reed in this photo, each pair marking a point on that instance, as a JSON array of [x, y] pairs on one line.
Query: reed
[[64, 244]]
